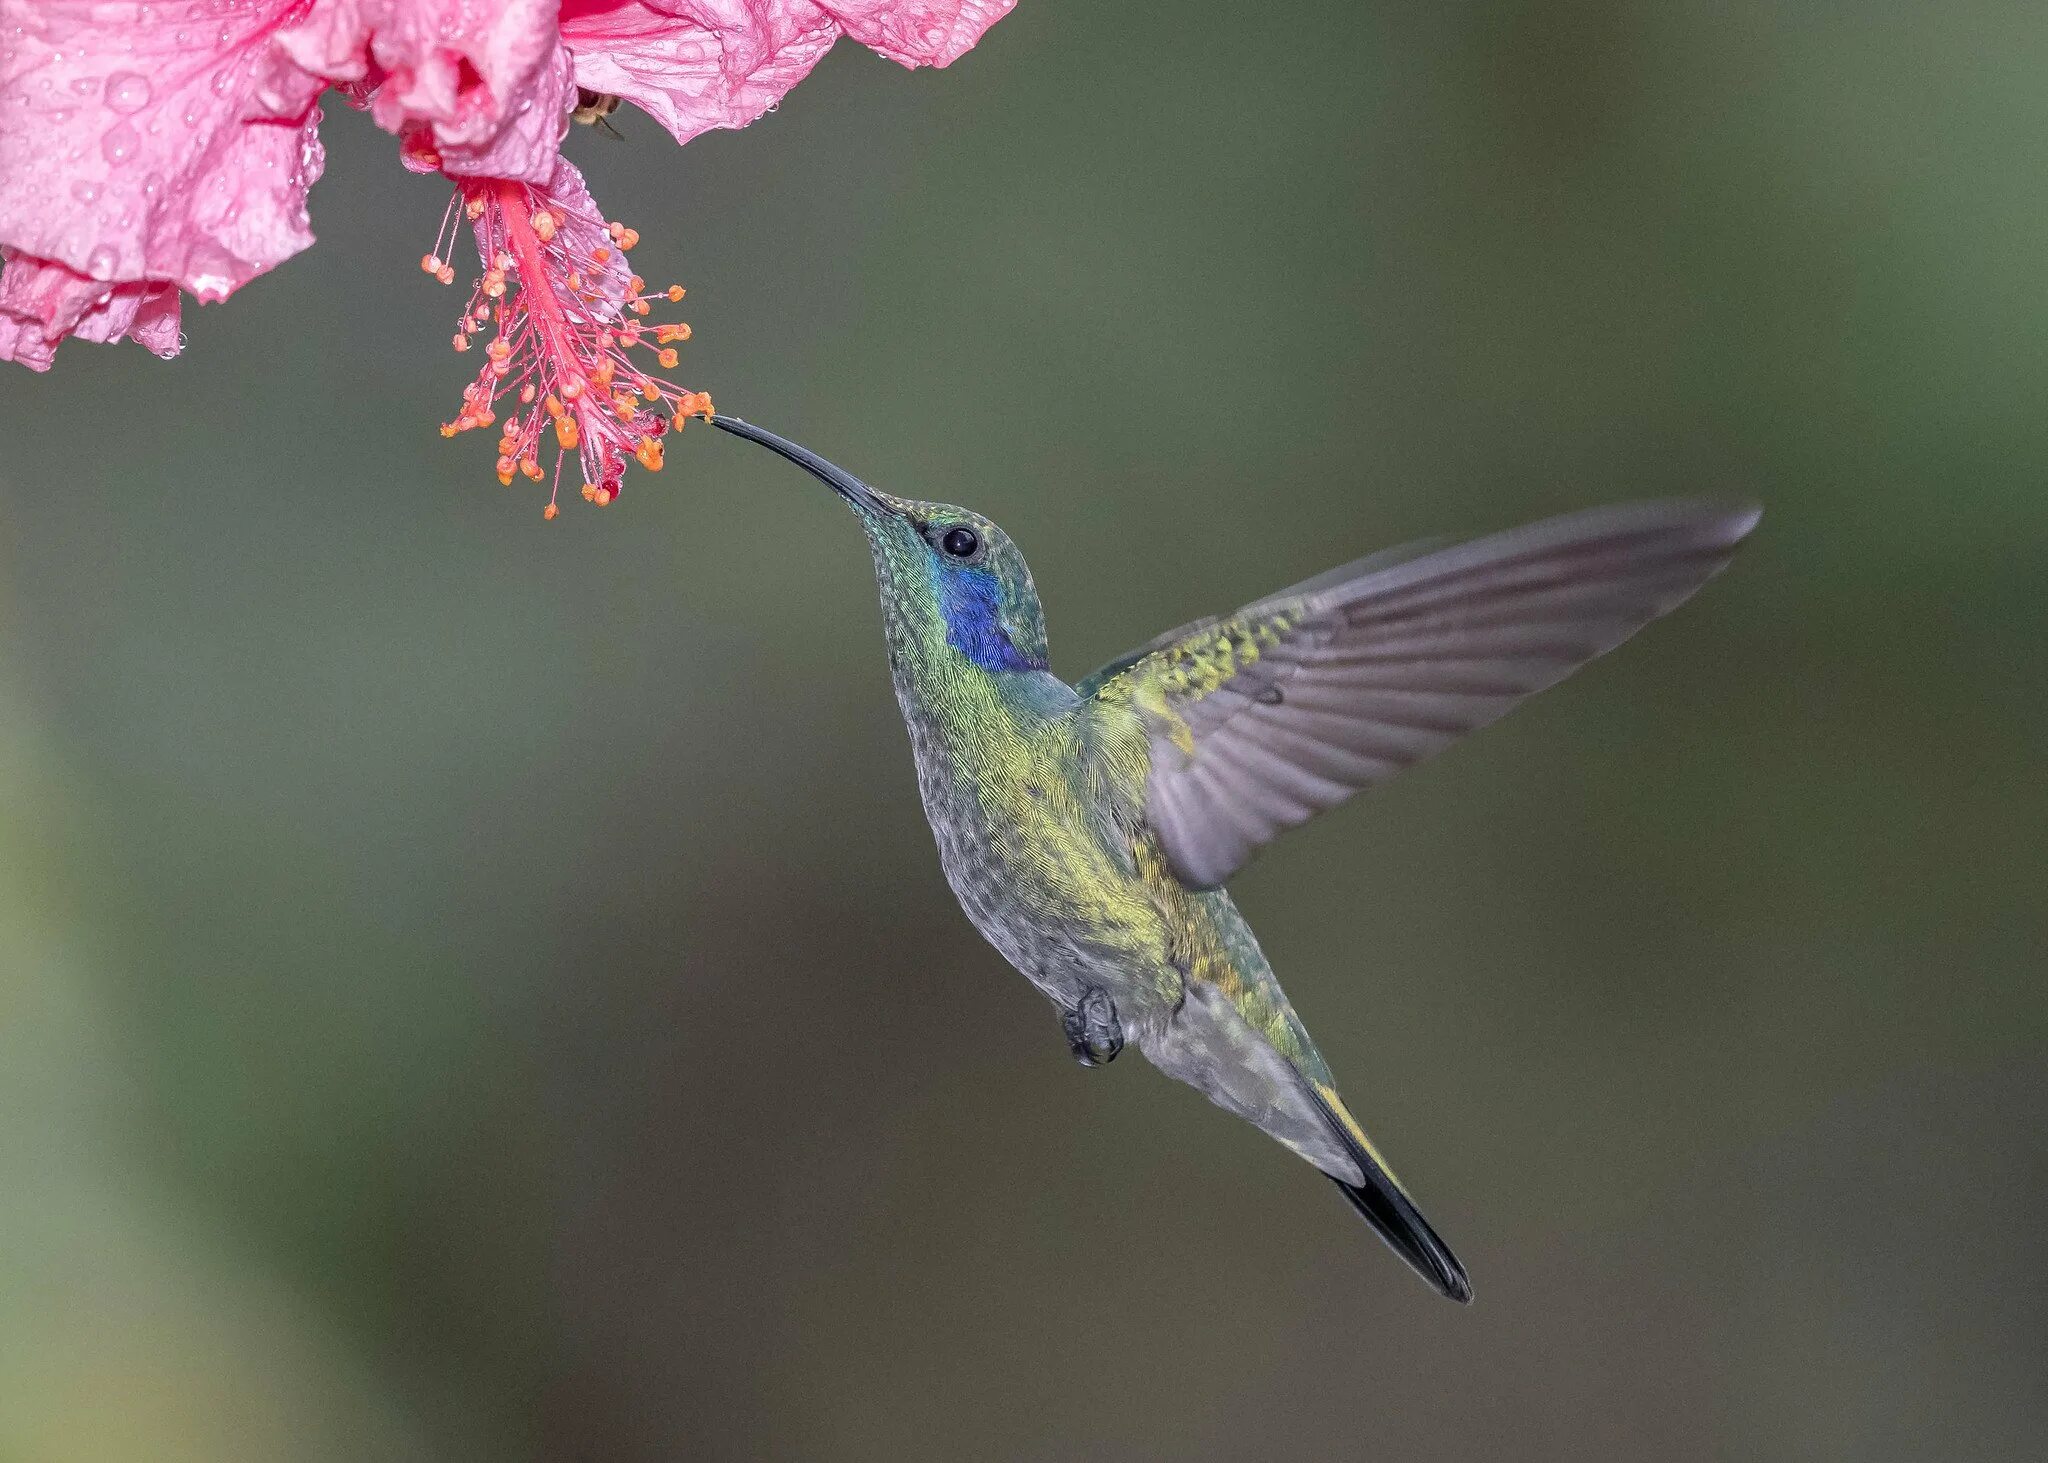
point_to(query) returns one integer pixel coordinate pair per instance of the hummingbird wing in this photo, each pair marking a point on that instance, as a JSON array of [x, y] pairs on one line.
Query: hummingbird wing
[[1217, 1047], [1260, 720]]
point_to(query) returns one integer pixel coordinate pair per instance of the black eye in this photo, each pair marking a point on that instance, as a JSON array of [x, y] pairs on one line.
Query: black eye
[[961, 543]]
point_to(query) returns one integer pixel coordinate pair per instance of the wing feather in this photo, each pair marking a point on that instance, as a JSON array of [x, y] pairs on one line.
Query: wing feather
[[1260, 720]]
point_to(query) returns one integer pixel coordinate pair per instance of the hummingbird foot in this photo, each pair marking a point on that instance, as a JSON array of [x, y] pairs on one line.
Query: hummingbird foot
[[1094, 1034]]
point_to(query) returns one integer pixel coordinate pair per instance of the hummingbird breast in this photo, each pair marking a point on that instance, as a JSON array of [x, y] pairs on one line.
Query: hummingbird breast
[[1037, 865]]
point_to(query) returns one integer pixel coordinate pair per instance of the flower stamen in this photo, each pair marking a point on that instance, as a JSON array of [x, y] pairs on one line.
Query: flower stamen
[[564, 318]]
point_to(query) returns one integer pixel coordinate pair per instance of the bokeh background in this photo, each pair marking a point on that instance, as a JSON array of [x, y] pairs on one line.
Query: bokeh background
[[473, 988]]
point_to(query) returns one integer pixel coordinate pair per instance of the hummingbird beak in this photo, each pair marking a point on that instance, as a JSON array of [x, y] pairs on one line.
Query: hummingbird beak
[[842, 482]]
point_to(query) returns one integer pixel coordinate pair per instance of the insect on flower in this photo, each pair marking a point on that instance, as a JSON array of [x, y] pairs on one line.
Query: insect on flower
[[594, 109]]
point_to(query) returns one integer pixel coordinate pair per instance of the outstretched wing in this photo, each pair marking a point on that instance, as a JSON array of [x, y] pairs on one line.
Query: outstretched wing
[[1259, 721]]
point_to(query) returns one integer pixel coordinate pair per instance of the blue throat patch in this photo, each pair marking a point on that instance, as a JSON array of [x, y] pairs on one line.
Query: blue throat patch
[[972, 602]]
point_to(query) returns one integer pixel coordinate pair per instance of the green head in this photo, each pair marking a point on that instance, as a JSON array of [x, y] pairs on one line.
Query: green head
[[953, 585]]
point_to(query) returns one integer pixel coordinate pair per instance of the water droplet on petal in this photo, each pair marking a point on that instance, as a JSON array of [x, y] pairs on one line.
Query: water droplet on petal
[[85, 86], [119, 144], [85, 190], [127, 92], [222, 79], [100, 264]]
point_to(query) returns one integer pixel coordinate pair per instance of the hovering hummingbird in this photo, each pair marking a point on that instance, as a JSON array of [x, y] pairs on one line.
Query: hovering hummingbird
[[1087, 830]]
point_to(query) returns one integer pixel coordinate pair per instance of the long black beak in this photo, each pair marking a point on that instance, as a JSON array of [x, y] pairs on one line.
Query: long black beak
[[842, 482]]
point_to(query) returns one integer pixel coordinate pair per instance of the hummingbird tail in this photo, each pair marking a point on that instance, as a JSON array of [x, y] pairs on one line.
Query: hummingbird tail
[[1384, 1205]]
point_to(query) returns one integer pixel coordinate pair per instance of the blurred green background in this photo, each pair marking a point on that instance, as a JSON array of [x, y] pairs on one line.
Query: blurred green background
[[479, 989]]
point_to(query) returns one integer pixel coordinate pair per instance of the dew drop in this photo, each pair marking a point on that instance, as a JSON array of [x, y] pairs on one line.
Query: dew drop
[[85, 86], [85, 190], [119, 144], [100, 264], [127, 92], [222, 79]]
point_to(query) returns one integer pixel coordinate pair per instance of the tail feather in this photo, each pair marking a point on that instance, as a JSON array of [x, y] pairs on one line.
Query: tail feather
[[1384, 1205]]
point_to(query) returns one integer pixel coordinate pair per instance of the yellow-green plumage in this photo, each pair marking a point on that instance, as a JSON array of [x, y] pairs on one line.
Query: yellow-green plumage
[[1086, 830]]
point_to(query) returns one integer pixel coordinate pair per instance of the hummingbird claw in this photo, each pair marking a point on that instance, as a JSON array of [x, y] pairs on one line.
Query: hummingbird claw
[[1094, 1034]]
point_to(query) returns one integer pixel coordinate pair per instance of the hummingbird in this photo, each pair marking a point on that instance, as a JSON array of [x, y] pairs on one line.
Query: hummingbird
[[1088, 829]]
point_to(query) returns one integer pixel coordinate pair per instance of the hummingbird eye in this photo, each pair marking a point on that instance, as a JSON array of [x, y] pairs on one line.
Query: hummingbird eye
[[961, 543]]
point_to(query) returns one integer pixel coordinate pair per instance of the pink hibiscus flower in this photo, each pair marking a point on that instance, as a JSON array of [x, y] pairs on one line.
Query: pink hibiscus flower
[[171, 147]]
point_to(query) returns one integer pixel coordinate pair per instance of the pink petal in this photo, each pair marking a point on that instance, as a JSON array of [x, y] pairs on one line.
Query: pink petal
[[41, 303], [152, 148], [694, 65], [918, 32], [697, 64], [486, 79]]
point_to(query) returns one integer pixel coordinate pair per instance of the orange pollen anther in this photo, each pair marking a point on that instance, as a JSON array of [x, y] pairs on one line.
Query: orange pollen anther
[[563, 312]]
